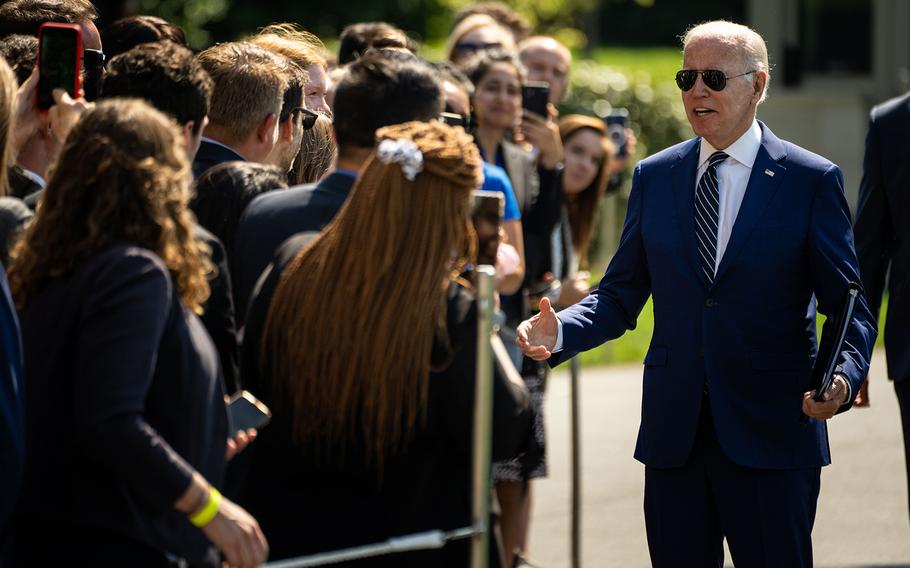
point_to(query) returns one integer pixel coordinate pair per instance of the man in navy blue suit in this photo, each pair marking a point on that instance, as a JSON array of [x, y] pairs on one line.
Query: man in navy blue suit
[[12, 454], [735, 234]]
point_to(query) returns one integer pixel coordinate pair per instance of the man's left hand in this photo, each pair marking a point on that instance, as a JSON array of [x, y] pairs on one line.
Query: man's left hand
[[832, 399]]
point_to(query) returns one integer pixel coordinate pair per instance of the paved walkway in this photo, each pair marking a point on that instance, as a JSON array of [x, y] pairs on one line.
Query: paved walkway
[[862, 517]]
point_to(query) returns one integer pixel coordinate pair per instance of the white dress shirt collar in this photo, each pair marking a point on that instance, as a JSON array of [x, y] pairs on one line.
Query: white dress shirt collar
[[744, 150]]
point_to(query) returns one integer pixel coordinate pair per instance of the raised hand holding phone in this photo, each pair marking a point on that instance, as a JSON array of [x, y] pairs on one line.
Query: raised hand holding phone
[[59, 60], [537, 336]]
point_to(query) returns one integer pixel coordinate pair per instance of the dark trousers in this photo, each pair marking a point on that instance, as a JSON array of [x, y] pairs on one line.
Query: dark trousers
[[766, 515], [903, 399]]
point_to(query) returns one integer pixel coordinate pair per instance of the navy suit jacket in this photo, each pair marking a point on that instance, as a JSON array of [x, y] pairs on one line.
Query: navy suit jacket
[[750, 336], [883, 226], [12, 421], [210, 155], [276, 216]]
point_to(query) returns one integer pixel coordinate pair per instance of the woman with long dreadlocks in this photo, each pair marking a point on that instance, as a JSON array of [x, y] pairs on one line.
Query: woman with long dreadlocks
[[363, 344]]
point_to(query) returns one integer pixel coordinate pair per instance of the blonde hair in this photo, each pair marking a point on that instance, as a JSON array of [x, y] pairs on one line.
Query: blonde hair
[[298, 45], [122, 176], [8, 94], [355, 369], [318, 152], [472, 23], [744, 40], [250, 82]]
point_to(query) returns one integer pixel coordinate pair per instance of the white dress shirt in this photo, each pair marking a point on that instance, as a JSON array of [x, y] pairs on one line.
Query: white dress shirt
[[732, 177]]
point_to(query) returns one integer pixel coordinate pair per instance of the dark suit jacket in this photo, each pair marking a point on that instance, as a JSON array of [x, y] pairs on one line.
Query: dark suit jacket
[[749, 335], [12, 420], [305, 505], [124, 400], [274, 217], [883, 226], [218, 317], [210, 155]]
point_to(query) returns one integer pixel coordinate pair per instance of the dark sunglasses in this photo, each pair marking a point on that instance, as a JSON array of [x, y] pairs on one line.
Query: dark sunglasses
[[714, 79], [468, 47], [93, 58], [309, 117]]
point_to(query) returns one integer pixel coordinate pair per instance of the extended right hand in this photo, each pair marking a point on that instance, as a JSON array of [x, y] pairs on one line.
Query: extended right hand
[[537, 336], [238, 536]]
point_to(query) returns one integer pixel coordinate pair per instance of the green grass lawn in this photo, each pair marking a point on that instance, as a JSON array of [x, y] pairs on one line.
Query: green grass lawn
[[633, 345], [661, 63]]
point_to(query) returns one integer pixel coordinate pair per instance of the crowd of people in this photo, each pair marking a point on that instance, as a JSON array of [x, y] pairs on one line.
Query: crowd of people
[[267, 216]]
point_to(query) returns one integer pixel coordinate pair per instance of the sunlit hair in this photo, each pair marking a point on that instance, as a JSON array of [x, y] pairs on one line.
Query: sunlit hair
[[317, 153], [749, 45], [351, 326], [295, 43], [122, 176], [582, 206], [502, 13], [8, 91], [472, 23]]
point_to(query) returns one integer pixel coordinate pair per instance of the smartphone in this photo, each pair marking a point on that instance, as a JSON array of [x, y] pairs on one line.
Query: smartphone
[[452, 119], [486, 214], [246, 411], [59, 61], [617, 122], [534, 98]]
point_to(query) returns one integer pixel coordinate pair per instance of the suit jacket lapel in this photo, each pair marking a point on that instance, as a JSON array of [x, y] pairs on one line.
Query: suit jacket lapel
[[766, 177], [683, 184]]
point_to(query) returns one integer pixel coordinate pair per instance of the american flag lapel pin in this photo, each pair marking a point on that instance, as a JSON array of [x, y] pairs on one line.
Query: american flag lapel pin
[[769, 173]]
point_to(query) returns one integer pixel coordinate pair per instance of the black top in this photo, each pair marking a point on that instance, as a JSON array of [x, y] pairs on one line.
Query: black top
[[306, 506], [882, 229], [20, 184], [12, 448], [123, 401], [210, 155], [218, 314], [274, 217]]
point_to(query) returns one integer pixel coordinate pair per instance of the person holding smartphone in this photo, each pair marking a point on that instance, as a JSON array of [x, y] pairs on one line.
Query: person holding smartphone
[[126, 426], [535, 170]]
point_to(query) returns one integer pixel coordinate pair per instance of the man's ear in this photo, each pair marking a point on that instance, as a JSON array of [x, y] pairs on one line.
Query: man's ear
[[188, 136], [758, 84], [266, 128], [286, 130]]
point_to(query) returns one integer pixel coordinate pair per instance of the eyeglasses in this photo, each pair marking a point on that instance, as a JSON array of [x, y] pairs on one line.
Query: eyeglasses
[[714, 79], [468, 48], [309, 117]]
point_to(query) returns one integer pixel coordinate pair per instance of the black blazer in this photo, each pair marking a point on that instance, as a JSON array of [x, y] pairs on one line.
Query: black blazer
[[123, 401], [882, 229], [210, 155], [275, 216], [305, 506], [12, 420], [218, 317]]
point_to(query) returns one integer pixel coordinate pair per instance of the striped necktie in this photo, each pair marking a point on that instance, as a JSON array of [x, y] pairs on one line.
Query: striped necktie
[[707, 215]]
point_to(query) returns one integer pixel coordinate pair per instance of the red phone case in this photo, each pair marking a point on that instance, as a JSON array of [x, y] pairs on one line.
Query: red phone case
[[49, 27]]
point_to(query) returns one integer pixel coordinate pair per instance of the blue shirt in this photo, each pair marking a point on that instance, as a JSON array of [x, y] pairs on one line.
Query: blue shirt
[[496, 179]]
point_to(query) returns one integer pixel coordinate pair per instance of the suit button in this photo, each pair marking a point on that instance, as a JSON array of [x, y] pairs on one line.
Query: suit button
[[710, 302]]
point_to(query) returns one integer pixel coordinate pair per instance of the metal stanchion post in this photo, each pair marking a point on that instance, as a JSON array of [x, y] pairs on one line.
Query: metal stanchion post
[[576, 463], [483, 419]]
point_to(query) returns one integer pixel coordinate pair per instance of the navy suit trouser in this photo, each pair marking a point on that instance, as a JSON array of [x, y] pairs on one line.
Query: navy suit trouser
[[765, 515], [902, 389]]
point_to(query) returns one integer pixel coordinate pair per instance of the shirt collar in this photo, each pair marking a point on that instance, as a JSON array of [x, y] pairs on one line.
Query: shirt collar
[[744, 150], [217, 143], [34, 177], [346, 172]]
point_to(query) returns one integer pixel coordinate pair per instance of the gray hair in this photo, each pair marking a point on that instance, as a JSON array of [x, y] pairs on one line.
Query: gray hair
[[743, 39]]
